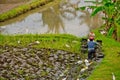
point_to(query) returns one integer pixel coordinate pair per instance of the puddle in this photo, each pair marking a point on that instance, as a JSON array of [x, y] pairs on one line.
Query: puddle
[[57, 19]]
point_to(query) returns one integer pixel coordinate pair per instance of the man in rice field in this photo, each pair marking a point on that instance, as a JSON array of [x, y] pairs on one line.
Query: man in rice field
[[91, 48]]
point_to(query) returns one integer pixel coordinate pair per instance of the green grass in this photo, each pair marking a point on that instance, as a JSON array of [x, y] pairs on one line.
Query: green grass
[[111, 62], [54, 41]]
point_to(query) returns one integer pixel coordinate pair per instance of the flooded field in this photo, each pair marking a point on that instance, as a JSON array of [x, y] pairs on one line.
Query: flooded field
[[58, 18]]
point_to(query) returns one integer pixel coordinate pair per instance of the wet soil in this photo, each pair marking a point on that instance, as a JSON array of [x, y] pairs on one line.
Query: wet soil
[[21, 63], [6, 5]]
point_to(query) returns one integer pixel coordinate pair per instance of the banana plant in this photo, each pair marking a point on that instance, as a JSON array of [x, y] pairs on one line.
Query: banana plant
[[111, 9]]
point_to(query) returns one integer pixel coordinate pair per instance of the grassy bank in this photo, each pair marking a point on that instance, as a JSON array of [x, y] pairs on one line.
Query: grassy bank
[[111, 61], [63, 41], [22, 9]]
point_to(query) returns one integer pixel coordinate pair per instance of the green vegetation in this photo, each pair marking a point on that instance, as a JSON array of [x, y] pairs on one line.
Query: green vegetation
[[110, 64], [71, 43], [111, 61], [111, 10], [22, 9], [63, 41]]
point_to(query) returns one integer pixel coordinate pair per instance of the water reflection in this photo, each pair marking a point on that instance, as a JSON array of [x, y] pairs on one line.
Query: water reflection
[[59, 18], [52, 19], [68, 10], [92, 22]]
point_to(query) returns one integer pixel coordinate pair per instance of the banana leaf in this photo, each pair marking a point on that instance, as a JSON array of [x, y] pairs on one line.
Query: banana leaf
[[110, 32], [118, 31], [98, 9]]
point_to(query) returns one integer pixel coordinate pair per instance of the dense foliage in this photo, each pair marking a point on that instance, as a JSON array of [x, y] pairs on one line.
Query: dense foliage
[[111, 11]]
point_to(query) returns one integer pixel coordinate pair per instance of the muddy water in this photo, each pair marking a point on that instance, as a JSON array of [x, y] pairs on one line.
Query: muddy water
[[59, 18]]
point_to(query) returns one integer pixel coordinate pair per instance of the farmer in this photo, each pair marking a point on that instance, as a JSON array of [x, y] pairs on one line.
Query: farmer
[[91, 48], [91, 34]]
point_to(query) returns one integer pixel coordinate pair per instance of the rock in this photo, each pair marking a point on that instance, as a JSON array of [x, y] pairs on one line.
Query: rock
[[64, 79], [48, 70], [87, 62], [79, 62], [51, 58], [83, 70], [24, 49], [55, 56]]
